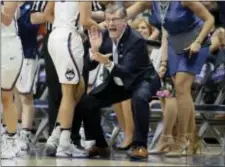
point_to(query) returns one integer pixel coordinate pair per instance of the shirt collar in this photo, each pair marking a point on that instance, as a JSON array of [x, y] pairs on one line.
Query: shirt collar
[[121, 35]]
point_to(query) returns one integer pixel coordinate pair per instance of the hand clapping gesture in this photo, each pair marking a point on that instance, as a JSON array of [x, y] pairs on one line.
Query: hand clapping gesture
[[95, 38]]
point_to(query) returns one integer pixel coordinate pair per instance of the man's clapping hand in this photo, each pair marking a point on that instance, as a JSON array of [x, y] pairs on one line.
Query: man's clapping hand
[[95, 38], [104, 59]]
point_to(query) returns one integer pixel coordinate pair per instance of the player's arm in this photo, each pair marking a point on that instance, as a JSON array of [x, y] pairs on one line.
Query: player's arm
[[8, 12], [37, 15], [199, 10], [49, 12], [137, 8], [98, 15], [86, 15], [37, 18]]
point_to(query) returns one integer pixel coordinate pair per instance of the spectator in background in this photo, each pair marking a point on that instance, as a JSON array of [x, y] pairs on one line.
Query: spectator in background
[[217, 9], [148, 32], [217, 39]]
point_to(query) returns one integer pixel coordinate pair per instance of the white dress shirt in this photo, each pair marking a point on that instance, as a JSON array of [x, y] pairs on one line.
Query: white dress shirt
[[117, 80]]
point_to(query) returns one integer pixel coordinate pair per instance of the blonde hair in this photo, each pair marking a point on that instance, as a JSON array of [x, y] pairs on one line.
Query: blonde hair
[[138, 21]]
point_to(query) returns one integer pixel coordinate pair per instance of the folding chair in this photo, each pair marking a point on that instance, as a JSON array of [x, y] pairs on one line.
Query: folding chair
[[208, 115], [41, 104]]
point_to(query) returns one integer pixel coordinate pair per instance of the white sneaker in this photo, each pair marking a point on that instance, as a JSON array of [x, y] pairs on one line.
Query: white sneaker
[[53, 142], [23, 142], [8, 150], [82, 135], [77, 152], [85, 143], [88, 144], [67, 149]]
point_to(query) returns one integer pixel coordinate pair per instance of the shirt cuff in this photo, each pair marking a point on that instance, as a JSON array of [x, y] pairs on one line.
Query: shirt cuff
[[110, 68]]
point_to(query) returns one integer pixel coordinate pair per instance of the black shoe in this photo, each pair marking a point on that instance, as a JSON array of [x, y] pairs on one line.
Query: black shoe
[[97, 151]]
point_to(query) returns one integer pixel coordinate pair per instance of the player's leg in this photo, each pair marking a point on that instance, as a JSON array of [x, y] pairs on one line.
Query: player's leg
[[10, 117], [10, 70], [61, 47], [19, 109], [26, 87], [73, 87]]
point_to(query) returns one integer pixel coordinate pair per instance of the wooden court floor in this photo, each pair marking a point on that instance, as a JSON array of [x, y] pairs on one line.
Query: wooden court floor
[[118, 159]]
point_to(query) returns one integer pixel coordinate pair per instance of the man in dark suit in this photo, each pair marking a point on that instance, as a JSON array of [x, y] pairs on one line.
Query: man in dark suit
[[128, 74]]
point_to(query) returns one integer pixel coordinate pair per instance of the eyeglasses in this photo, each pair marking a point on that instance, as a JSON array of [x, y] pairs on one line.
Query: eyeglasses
[[114, 20]]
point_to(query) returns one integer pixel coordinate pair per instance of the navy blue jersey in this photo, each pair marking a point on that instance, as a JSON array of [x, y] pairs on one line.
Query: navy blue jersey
[[28, 31]]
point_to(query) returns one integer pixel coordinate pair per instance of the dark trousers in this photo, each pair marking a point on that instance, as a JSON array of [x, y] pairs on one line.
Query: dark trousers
[[89, 107], [77, 121]]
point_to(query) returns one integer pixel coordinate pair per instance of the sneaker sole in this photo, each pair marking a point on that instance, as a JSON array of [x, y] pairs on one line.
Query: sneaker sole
[[7, 157], [63, 155], [79, 156]]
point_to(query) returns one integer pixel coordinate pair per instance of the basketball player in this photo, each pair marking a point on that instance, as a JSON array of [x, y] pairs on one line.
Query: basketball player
[[66, 50], [11, 63], [26, 84], [42, 13]]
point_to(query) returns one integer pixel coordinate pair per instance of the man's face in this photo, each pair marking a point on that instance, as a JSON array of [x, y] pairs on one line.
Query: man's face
[[115, 24]]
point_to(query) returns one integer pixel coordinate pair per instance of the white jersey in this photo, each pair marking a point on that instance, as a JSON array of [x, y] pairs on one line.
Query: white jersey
[[67, 15], [11, 30]]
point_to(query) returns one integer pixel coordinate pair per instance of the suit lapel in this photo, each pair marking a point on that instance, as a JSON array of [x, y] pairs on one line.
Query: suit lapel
[[121, 45], [106, 46]]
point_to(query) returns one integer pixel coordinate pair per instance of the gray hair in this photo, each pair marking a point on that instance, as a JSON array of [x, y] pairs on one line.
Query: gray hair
[[117, 8]]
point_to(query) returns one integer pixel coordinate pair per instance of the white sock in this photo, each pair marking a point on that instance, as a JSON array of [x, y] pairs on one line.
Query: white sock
[[65, 138], [56, 132]]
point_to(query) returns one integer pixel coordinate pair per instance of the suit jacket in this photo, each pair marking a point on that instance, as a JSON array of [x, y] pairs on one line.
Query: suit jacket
[[133, 65]]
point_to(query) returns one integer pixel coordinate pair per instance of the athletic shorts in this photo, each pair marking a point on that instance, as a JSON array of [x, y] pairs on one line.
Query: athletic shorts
[[11, 61], [67, 52]]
